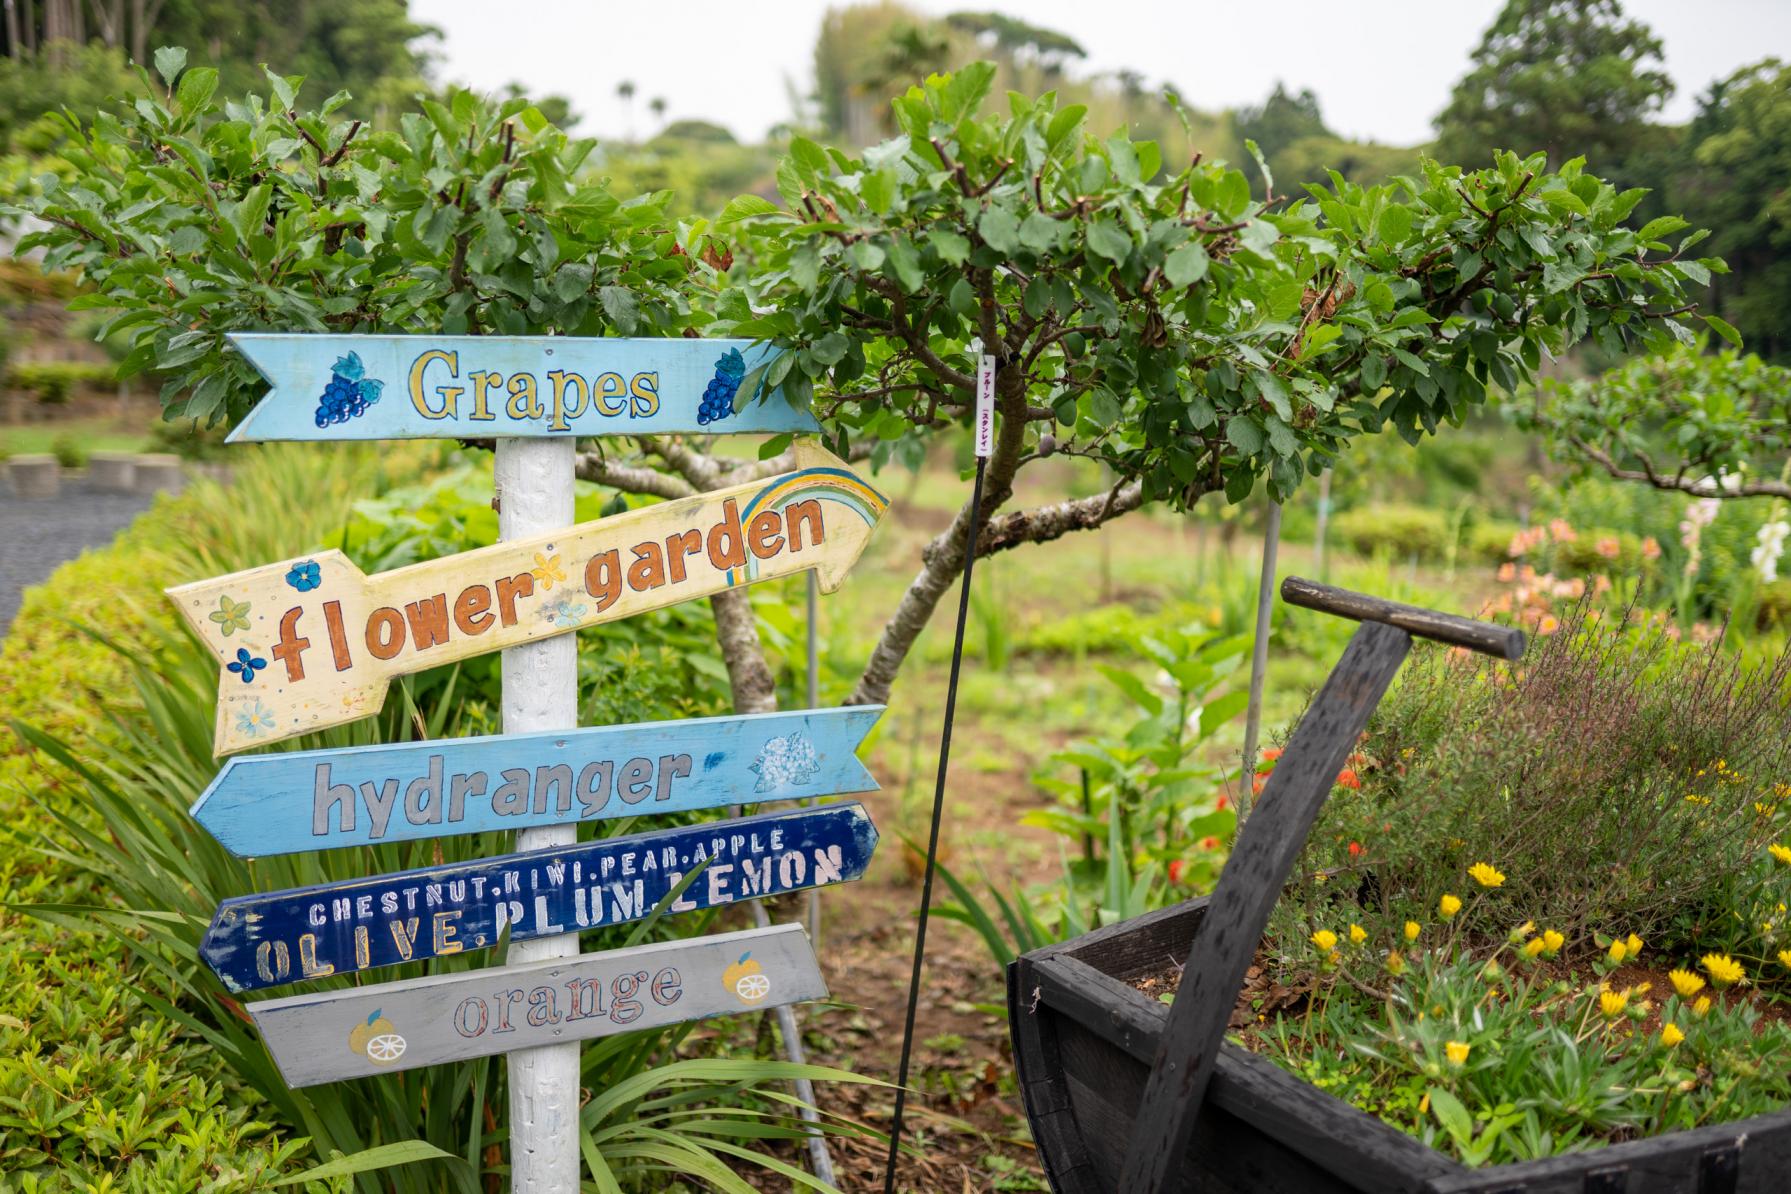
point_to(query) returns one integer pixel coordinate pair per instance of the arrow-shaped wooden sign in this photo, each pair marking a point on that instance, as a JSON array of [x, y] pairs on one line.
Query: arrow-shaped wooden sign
[[261, 941], [362, 1031], [329, 387], [267, 804], [313, 642]]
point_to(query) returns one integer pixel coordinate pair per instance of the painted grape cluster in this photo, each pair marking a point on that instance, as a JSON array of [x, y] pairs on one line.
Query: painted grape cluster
[[718, 396], [349, 393]]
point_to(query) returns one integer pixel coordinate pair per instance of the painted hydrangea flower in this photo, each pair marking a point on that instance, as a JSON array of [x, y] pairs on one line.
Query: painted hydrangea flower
[[246, 665], [303, 576], [254, 720], [786, 761], [230, 615]]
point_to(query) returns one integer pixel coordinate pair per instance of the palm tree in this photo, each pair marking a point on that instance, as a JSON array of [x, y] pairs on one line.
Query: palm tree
[[625, 91], [657, 106]]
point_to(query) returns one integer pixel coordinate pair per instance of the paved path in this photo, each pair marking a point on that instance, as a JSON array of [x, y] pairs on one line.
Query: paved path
[[38, 534]]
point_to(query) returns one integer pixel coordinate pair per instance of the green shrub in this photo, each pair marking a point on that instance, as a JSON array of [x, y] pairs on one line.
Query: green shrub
[[119, 836], [54, 381], [1403, 532], [1614, 553], [1490, 542], [1623, 781], [1773, 608], [69, 452]]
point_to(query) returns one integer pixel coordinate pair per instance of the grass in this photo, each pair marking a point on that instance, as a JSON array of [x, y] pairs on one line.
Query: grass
[[100, 433]]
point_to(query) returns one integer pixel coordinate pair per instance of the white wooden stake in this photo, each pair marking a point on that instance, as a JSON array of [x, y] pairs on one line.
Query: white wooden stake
[[534, 492], [1259, 656]]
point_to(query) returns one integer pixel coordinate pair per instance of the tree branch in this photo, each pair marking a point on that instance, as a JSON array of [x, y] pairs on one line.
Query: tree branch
[[1679, 483], [630, 478]]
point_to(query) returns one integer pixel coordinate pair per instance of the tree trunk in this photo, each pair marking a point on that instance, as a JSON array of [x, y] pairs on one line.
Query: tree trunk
[[13, 49], [755, 691]]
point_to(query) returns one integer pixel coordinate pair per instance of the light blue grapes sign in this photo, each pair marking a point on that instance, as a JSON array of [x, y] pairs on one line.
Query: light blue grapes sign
[[487, 387]]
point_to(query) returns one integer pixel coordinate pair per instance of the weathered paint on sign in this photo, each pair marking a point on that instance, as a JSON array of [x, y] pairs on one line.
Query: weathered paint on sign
[[261, 941], [334, 1035], [483, 387], [314, 642], [262, 805]]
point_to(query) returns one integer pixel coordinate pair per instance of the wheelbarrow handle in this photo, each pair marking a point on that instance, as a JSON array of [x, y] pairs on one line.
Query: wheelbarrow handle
[[1506, 642]]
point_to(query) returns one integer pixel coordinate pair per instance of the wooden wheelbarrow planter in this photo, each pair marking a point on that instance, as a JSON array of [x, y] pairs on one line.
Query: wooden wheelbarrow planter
[[1125, 1093]]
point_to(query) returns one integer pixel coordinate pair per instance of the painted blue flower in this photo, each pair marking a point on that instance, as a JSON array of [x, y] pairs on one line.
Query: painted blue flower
[[564, 613], [246, 665], [251, 722], [304, 575]]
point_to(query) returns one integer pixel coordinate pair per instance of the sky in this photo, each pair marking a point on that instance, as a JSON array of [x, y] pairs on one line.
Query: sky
[[1382, 69]]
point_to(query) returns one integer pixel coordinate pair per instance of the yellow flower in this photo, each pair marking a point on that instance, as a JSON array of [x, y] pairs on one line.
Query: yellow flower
[[1702, 1006], [1782, 853], [1395, 963], [1553, 942], [1785, 958], [1522, 931], [1448, 906], [1485, 875], [1411, 930], [1457, 1051], [1685, 982], [1723, 970], [1325, 939], [1618, 951], [1612, 1003], [1357, 934], [1635, 945], [547, 570], [1534, 946], [1670, 1035]]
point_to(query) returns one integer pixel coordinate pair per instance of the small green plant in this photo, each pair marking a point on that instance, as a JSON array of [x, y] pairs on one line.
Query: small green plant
[[54, 382], [68, 452]]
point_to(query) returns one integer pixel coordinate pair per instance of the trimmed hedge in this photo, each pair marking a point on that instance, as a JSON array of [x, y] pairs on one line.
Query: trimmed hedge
[[98, 1090]]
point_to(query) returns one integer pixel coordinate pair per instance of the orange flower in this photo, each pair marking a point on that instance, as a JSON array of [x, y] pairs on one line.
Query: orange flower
[[1223, 803], [1209, 843], [1507, 573], [1608, 547], [1650, 549], [1256, 785], [1270, 754], [1355, 849], [1347, 778], [1177, 868]]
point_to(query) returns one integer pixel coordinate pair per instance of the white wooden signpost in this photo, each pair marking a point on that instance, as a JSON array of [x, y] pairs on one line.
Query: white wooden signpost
[[311, 642]]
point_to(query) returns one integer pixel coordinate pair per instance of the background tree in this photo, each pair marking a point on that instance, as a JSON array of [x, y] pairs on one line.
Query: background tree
[[1193, 339], [1732, 175], [1566, 77]]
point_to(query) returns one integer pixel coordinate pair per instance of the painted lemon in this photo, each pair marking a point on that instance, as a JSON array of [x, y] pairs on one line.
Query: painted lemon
[[746, 980], [378, 1039]]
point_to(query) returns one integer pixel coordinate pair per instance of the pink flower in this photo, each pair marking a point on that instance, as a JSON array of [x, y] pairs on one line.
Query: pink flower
[[1608, 547], [1507, 572], [1560, 531], [1650, 549]]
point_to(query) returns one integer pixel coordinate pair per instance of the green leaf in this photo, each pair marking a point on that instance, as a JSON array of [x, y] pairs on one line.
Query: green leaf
[[384, 1156], [169, 62], [1187, 265], [878, 189], [1107, 239], [1000, 229], [1394, 224], [1244, 434], [621, 306], [1725, 329], [952, 248], [1452, 1115], [196, 89], [1661, 226], [906, 264], [1067, 121], [745, 207]]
